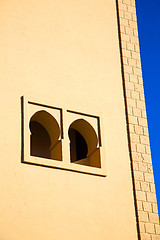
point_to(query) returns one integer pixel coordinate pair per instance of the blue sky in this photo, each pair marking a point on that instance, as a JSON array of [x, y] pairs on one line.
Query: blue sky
[[148, 15]]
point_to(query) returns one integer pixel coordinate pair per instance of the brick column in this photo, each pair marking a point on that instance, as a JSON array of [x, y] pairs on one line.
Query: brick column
[[146, 203]]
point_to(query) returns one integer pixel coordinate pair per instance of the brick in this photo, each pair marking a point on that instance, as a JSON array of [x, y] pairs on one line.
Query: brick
[[138, 50], [145, 186], [131, 9], [125, 60], [133, 79], [135, 165], [140, 80], [141, 104], [129, 85], [142, 227], [132, 62], [145, 236], [139, 205], [148, 150], [133, 147], [150, 169], [137, 71], [147, 206], [137, 112], [121, 13], [125, 37], [143, 167], [127, 68], [122, 29], [130, 46], [146, 158], [154, 207], [151, 197], [138, 88], [126, 1], [128, 93], [143, 216], [142, 122], [127, 53], [152, 187], [137, 156], [126, 75], [141, 195], [149, 177], [138, 62], [139, 175], [129, 31], [132, 24], [132, 119], [137, 185], [127, 15], [142, 98], [135, 32], [149, 228], [135, 55], [140, 148], [131, 102], [124, 46], [122, 6], [157, 228], [133, 3], [155, 237], [134, 17], [144, 140], [134, 40], [130, 112], [145, 131], [134, 138], [131, 126], [143, 111], [124, 22], [135, 95], [153, 218], [138, 129]]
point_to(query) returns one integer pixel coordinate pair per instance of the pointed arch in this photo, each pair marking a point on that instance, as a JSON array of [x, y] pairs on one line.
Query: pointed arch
[[83, 144], [45, 133]]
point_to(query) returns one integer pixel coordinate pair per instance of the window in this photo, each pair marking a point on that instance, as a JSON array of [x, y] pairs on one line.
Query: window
[[61, 138], [83, 144], [44, 139]]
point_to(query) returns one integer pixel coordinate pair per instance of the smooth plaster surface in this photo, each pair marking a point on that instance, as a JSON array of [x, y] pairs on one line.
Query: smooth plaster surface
[[63, 53]]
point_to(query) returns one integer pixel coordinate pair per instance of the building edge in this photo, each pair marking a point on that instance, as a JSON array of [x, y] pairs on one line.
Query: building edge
[[146, 210]]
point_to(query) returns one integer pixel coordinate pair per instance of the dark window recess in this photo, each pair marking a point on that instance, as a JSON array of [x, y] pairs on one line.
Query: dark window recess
[[40, 141], [78, 145]]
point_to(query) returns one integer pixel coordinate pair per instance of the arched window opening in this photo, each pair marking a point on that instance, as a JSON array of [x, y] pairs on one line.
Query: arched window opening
[[44, 138], [83, 144]]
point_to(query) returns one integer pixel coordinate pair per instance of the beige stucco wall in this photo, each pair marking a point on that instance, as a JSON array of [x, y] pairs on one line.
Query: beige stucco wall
[[66, 54]]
